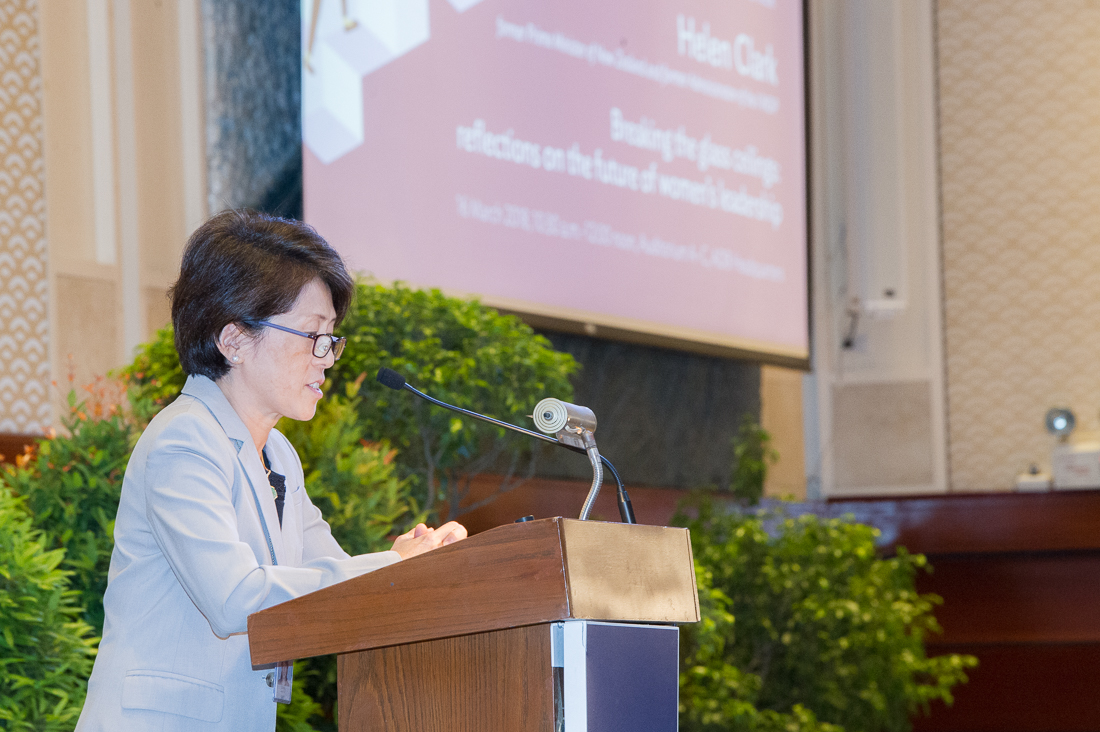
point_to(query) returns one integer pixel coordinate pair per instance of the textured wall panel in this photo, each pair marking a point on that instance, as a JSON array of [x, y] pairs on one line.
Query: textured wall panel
[[665, 418], [1020, 162], [88, 323], [24, 358], [883, 434]]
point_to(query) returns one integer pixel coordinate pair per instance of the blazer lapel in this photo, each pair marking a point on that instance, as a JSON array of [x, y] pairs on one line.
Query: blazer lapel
[[255, 474], [285, 465]]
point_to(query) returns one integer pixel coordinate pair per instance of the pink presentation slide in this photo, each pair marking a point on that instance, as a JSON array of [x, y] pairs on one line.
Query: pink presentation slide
[[635, 162]]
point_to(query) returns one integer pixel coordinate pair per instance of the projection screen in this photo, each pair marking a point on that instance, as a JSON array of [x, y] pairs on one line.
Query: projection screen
[[634, 169]]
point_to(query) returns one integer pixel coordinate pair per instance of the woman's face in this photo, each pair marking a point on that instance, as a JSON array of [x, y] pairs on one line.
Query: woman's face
[[278, 373]]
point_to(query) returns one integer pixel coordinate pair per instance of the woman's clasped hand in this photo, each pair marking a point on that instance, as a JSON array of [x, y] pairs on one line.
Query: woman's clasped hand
[[423, 538]]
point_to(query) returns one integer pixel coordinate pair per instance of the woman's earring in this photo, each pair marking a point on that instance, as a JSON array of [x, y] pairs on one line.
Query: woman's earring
[[236, 359]]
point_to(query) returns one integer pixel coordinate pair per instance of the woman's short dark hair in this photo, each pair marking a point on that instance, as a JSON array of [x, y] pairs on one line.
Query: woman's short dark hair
[[242, 267]]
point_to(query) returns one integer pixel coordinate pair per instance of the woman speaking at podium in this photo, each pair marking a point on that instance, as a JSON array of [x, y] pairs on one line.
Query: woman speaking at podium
[[214, 522]]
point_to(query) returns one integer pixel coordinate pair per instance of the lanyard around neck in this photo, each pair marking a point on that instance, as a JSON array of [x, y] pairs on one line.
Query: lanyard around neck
[[263, 521]]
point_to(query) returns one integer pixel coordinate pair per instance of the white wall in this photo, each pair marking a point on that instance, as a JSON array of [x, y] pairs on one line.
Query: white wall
[[124, 162], [875, 412]]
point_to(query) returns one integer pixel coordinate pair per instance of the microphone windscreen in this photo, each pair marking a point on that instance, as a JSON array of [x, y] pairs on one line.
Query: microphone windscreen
[[390, 378], [550, 415]]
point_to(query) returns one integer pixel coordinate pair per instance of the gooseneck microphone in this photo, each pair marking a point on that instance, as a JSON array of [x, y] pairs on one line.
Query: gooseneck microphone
[[575, 426], [389, 378]]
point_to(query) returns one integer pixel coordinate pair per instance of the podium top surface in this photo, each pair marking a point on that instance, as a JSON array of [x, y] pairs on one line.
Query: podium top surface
[[513, 575]]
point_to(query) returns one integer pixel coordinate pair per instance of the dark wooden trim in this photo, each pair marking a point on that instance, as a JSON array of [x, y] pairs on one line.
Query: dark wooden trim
[[1022, 688], [1038, 597], [545, 497], [1019, 574], [981, 523]]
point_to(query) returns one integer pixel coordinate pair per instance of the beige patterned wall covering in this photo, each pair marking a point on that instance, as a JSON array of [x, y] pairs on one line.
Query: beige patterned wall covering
[[24, 362], [1020, 164]]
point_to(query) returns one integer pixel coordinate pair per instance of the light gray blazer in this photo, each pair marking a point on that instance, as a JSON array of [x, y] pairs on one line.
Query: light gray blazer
[[191, 563]]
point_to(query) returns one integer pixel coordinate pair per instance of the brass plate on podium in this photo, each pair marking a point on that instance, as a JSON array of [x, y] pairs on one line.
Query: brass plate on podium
[[629, 572]]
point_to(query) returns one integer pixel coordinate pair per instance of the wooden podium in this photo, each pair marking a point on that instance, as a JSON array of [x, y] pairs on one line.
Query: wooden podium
[[463, 638]]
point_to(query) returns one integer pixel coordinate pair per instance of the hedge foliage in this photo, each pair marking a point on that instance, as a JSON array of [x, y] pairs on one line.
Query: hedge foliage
[[72, 484], [806, 627], [461, 352], [46, 649]]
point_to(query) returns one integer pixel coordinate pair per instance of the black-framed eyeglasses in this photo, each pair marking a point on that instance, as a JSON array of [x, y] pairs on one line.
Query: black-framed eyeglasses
[[322, 342]]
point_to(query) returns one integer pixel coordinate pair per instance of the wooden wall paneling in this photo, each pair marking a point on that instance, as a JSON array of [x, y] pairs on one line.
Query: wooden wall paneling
[[489, 682], [1017, 598], [991, 522], [546, 497], [1022, 688], [1020, 578]]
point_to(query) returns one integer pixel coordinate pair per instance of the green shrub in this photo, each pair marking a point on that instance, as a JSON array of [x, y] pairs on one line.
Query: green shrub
[[155, 376], [46, 649], [753, 454], [71, 484], [457, 350], [803, 620], [461, 352]]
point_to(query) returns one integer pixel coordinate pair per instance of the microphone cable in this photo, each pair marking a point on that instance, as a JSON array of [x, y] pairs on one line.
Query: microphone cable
[[389, 378]]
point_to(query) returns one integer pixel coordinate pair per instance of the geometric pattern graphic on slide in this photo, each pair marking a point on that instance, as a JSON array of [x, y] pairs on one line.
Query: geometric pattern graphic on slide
[[342, 42], [24, 288]]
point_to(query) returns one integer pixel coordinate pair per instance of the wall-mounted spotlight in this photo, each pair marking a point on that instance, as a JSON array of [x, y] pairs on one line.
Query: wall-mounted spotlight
[[1060, 422], [1073, 463]]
